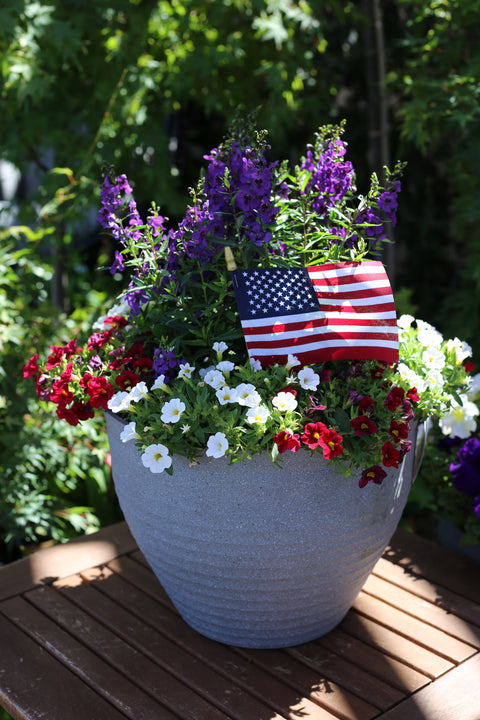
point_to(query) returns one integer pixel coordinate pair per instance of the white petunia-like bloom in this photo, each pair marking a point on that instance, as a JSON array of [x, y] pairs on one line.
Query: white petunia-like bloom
[[172, 411], [156, 458], [120, 401], [462, 349], [139, 392], [434, 380], [428, 335], [220, 347], [284, 401], [225, 366], [129, 433], [292, 361], [217, 445], [159, 383], [247, 395], [215, 379], [414, 380], [405, 321], [433, 358], [473, 388], [460, 421], [309, 380], [226, 395], [255, 364], [258, 415], [186, 370]]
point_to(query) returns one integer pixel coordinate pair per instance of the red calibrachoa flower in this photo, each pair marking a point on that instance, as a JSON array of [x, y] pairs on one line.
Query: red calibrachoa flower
[[287, 440], [373, 474], [395, 398], [312, 434], [100, 392], [143, 365], [377, 372], [366, 405], [398, 431], [55, 357], [31, 368], [127, 379], [412, 395], [116, 321], [82, 411], [363, 426], [98, 340], [64, 413], [469, 366], [67, 373], [61, 393], [135, 352], [391, 457], [331, 443]]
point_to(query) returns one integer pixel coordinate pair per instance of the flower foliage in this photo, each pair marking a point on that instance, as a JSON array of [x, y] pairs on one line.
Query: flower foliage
[[170, 356]]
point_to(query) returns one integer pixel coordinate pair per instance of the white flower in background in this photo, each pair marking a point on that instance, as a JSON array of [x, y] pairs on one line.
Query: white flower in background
[[186, 370], [247, 395], [460, 421], [204, 371], [159, 383], [120, 401], [217, 445], [255, 364], [226, 395], [461, 348], [258, 415], [434, 380], [122, 309], [225, 366], [405, 321], [433, 358], [129, 433], [220, 347], [408, 375], [139, 392], [292, 361], [284, 401], [172, 411], [428, 335], [185, 428], [156, 458], [473, 388], [309, 380], [215, 379]]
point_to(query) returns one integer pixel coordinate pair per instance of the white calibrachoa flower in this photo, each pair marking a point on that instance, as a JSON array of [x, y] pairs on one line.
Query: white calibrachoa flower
[[473, 387], [405, 321], [284, 401], [292, 361], [428, 335], [258, 415], [139, 392], [433, 358], [220, 347], [129, 433], [255, 364], [156, 458], [159, 383], [217, 445], [408, 375], [226, 395], [434, 380], [460, 421], [215, 379], [247, 395], [186, 370], [120, 401], [172, 411], [225, 366], [462, 349], [309, 380]]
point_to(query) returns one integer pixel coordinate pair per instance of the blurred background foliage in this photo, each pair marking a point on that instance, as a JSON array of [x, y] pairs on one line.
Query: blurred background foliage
[[150, 87]]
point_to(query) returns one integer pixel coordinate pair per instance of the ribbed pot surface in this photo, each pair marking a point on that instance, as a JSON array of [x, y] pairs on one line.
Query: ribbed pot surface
[[252, 555]]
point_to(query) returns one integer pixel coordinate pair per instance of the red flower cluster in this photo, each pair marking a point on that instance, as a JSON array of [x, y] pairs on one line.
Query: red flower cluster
[[314, 435]]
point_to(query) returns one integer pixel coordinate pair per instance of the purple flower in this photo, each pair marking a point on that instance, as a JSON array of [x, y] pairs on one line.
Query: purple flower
[[117, 265], [466, 470]]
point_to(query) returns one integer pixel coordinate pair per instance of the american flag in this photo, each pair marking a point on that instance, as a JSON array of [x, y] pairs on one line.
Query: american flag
[[336, 311]]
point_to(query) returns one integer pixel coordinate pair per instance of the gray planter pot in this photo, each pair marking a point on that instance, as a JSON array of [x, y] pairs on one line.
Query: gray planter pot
[[252, 555]]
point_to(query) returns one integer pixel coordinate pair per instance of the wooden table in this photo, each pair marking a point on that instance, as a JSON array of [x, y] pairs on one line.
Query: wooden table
[[87, 633]]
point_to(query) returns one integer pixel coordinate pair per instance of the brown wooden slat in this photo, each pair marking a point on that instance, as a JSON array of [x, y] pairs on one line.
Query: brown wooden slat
[[435, 563], [390, 642], [62, 560], [454, 696], [410, 627], [423, 610], [216, 688], [437, 594], [97, 674], [283, 701], [35, 685], [379, 664]]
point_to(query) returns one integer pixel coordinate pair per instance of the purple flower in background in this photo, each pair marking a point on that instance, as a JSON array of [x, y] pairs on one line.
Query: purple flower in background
[[466, 470], [164, 362], [117, 265]]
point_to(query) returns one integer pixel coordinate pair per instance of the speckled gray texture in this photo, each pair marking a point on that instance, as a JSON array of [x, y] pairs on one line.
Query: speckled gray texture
[[252, 555]]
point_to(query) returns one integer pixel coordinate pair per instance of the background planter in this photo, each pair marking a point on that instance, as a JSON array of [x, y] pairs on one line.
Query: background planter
[[252, 555]]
